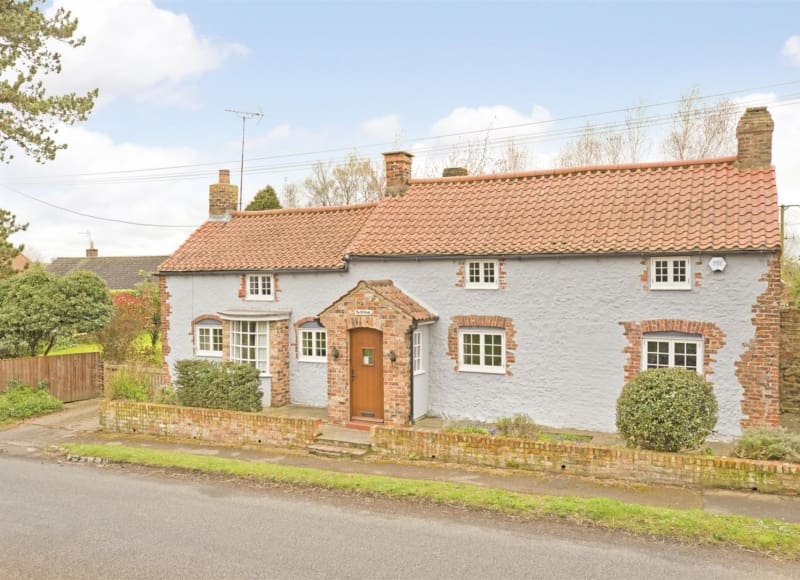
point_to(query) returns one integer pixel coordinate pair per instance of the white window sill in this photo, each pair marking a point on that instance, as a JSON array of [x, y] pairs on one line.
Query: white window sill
[[419, 373], [209, 354], [313, 360], [660, 288], [481, 287], [482, 370], [260, 298]]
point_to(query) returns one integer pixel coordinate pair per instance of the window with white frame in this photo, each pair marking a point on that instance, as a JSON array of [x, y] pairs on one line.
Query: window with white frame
[[669, 351], [481, 350], [313, 344], [260, 287], [670, 273], [250, 343], [208, 338], [481, 274]]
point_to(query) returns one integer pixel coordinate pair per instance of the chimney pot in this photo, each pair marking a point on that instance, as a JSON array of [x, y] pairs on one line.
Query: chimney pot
[[754, 136], [223, 198], [91, 252], [398, 171], [455, 172]]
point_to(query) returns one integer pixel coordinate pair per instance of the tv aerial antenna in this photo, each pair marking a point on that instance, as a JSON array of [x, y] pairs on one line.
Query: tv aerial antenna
[[244, 116]]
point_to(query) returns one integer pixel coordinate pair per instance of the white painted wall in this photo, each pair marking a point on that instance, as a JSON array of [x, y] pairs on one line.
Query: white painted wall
[[569, 361]]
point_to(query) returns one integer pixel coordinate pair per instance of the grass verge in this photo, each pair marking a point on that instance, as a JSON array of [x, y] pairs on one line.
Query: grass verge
[[771, 537]]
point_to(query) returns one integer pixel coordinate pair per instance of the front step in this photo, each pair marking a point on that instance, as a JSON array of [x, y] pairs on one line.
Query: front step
[[329, 448]]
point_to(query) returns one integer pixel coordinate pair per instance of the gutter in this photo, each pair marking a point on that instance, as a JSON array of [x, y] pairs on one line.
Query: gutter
[[555, 255]]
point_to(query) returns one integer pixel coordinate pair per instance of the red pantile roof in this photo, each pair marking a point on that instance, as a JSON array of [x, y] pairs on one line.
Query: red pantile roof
[[312, 238], [654, 207]]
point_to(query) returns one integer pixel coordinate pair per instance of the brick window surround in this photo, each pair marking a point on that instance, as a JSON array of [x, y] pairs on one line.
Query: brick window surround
[[502, 283], [713, 340], [478, 321], [202, 318], [697, 275], [243, 287]]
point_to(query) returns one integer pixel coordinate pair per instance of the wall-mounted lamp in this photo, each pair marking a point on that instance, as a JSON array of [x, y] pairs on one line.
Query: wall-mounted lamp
[[335, 353], [392, 356]]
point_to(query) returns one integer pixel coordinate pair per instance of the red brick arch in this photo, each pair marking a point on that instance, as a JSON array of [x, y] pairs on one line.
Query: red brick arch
[[713, 340]]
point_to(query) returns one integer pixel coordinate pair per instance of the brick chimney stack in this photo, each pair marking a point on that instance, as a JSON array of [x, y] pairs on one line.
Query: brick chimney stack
[[398, 171], [91, 252], [754, 133], [223, 198]]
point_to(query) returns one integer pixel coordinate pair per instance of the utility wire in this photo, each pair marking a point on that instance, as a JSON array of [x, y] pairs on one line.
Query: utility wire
[[94, 217], [437, 137]]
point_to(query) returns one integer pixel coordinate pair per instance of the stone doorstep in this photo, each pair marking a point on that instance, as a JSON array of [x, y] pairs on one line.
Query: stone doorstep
[[329, 448]]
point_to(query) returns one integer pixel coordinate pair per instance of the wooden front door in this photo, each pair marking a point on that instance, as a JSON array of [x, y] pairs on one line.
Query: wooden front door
[[366, 374]]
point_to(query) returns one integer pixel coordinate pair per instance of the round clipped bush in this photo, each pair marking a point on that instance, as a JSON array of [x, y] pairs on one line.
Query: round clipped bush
[[666, 409]]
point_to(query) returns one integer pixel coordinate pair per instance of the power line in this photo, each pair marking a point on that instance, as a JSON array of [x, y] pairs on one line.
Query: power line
[[94, 217], [430, 138], [526, 138]]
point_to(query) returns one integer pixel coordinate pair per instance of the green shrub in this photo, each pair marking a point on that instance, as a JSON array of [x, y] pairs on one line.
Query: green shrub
[[517, 426], [667, 409], [21, 401], [768, 443], [233, 386], [129, 386]]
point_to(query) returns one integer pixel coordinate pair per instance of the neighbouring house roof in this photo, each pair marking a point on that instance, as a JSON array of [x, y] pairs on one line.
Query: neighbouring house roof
[[392, 294], [310, 238], [20, 262], [654, 207], [119, 272]]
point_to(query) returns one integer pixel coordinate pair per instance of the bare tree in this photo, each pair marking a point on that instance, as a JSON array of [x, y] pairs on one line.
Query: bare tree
[[354, 181], [290, 195], [699, 130], [319, 184], [603, 147], [477, 157]]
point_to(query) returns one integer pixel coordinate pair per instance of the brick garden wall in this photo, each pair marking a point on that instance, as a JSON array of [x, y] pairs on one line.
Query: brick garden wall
[[215, 425], [790, 360], [588, 461]]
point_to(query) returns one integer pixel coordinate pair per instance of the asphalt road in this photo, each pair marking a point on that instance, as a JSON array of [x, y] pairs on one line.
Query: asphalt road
[[77, 521]]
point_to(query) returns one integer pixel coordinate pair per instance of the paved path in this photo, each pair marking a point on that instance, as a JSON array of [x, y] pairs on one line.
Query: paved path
[[81, 522], [32, 435]]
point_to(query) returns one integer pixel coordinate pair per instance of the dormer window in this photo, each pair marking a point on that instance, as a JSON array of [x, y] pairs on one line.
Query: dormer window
[[482, 275], [670, 273], [260, 287]]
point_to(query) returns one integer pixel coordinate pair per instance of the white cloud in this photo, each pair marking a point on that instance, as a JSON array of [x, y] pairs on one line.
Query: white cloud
[[56, 233], [791, 50], [466, 126], [385, 129], [134, 48]]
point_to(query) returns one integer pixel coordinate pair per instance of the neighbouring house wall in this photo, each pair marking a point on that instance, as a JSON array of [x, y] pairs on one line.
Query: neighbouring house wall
[[568, 317], [790, 360]]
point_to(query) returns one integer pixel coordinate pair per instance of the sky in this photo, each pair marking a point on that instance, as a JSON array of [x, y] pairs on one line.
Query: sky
[[333, 78]]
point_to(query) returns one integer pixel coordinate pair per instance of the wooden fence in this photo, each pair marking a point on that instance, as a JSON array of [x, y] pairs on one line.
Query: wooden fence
[[152, 376], [70, 377]]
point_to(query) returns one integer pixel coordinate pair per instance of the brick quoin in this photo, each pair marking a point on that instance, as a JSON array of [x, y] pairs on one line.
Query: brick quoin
[[480, 321], [166, 310], [279, 362], [758, 369], [713, 340]]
